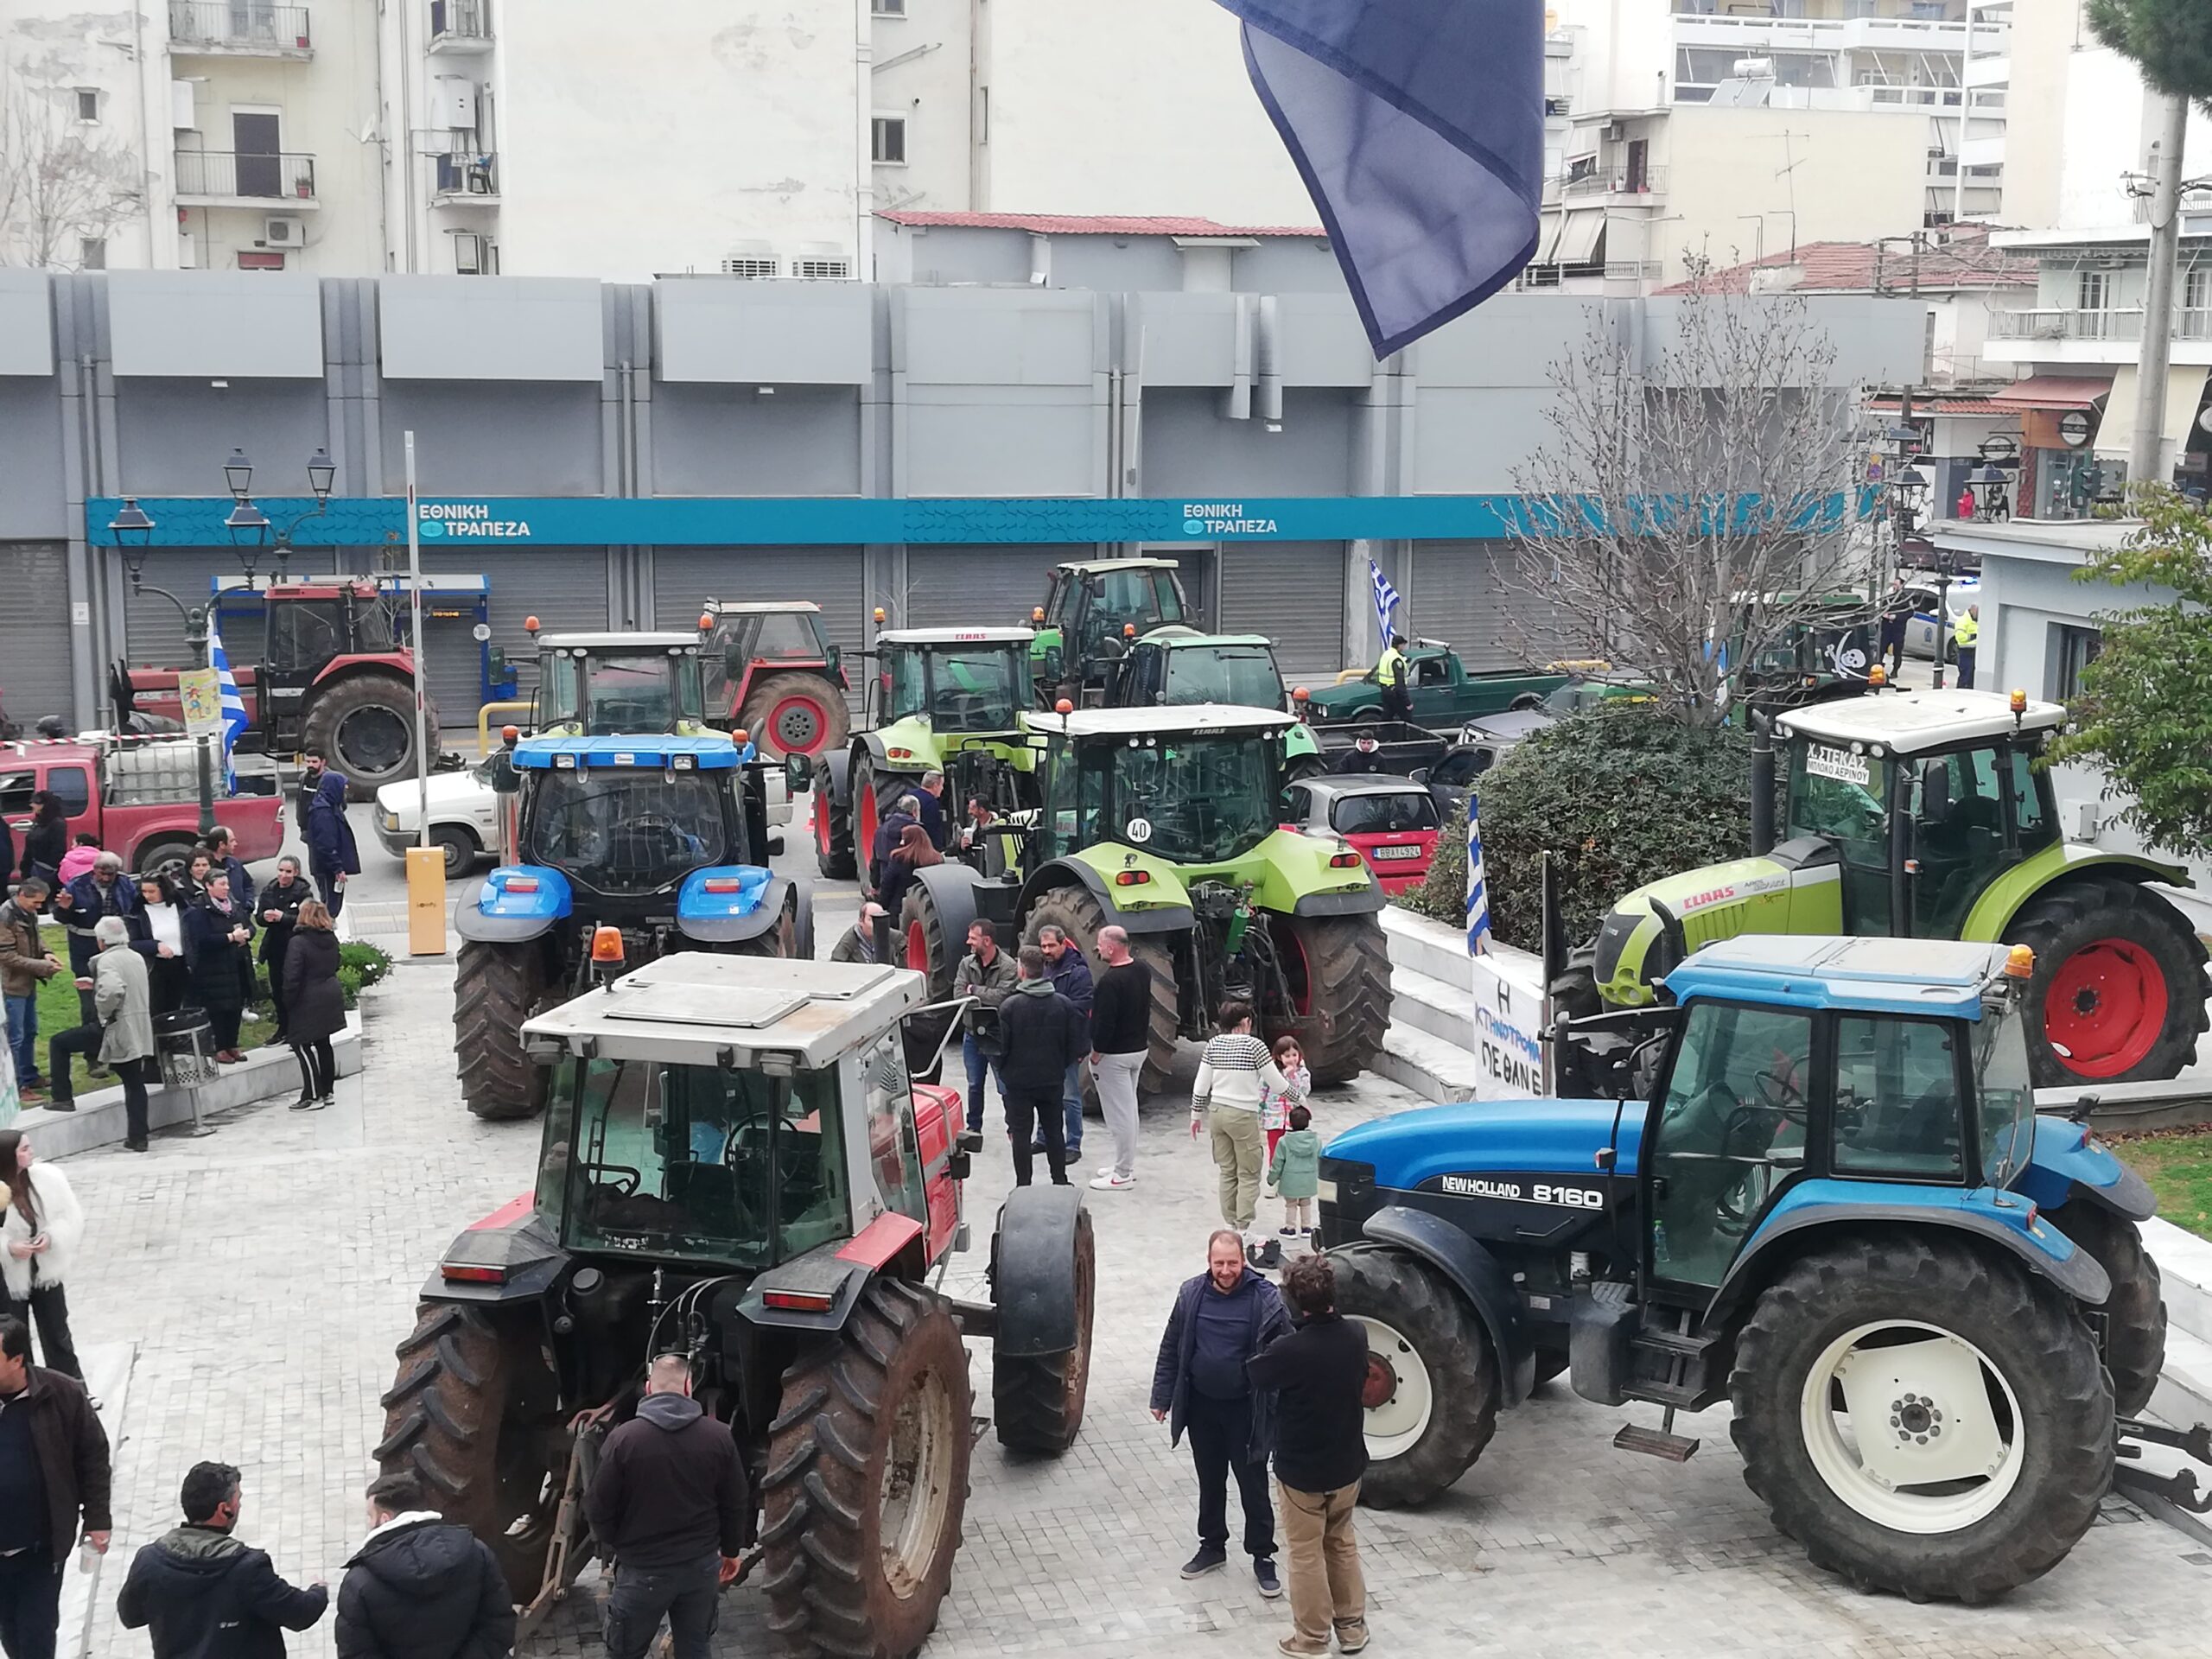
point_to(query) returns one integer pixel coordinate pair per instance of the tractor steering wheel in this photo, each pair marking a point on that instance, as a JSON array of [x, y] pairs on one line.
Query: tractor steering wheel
[[1778, 1093]]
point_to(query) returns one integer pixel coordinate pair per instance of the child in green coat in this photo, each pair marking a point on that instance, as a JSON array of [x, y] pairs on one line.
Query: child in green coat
[[1295, 1173]]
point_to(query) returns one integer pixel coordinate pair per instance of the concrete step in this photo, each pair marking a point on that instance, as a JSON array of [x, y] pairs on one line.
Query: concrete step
[[1442, 1010], [2183, 1397], [1430, 1067], [2185, 1272], [1423, 946]]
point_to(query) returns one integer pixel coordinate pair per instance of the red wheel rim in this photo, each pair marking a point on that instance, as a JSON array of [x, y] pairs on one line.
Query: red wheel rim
[[2106, 1006], [799, 724], [866, 838], [1380, 1385], [918, 948], [822, 810]]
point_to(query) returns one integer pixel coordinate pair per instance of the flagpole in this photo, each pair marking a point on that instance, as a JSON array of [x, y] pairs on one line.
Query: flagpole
[[415, 639]]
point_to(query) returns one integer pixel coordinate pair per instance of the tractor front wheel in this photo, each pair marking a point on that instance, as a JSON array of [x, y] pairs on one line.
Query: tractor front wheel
[[867, 1480], [1432, 1386], [2118, 992], [1339, 968], [796, 714], [496, 987], [365, 726], [1037, 1402], [833, 830], [1075, 912], [2135, 1312], [1926, 1419]]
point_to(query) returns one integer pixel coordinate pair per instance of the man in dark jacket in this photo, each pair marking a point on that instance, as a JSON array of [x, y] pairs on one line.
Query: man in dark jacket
[[419, 1587], [1316, 1373], [897, 813], [986, 974], [668, 1503], [1071, 976], [332, 855], [101, 891], [927, 804], [1223, 1318], [205, 1594], [1041, 1036], [54, 1473], [277, 906]]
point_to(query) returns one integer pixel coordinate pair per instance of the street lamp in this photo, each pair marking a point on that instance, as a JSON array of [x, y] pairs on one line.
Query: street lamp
[[1988, 483], [249, 528], [133, 531]]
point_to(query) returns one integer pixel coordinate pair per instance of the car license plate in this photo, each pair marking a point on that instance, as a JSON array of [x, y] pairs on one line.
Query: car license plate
[[1411, 850]]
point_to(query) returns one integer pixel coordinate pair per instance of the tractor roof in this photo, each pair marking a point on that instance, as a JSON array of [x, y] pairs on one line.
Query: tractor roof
[[1915, 722], [955, 636], [1087, 565], [1882, 976], [712, 752], [1184, 718], [759, 607], [1176, 637], [671, 642], [700, 1007]]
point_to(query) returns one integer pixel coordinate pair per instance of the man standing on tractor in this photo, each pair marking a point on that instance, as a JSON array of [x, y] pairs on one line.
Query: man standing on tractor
[[332, 855], [897, 813], [986, 974], [1391, 675], [1071, 976], [927, 802], [1043, 1036], [1968, 634]]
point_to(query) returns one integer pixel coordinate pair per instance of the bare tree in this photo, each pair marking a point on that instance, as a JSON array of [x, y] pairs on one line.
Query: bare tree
[[58, 188], [1687, 514]]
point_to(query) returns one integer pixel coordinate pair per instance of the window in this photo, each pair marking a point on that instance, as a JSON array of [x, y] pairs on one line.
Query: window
[[891, 1148], [2095, 290], [1844, 797], [2005, 1090], [16, 789], [91, 253], [2073, 648], [2196, 288], [626, 831], [888, 140], [1897, 1100], [73, 786], [1383, 815], [888, 8], [88, 104]]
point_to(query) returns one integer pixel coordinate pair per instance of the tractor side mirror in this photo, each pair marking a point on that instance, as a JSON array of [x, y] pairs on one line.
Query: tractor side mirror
[[505, 780], [1055, 660], [833, 658], [775, 843], [798, 772]]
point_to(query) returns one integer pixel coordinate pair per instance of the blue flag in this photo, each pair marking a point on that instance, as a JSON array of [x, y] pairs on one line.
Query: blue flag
[[234, 718], [1478, 885], [1386, 599], [1418, 126]]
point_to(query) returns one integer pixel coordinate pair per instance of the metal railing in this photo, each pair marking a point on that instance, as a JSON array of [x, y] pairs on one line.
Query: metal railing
[[239, 25], [459, 20], [286, 177], [2122, 323], [1615, 180], [467, 176]]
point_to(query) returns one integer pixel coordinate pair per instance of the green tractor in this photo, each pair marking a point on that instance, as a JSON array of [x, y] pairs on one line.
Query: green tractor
[[1167, 823], [1925, 815], [1091, 613], [1176, 665], [950, 700]]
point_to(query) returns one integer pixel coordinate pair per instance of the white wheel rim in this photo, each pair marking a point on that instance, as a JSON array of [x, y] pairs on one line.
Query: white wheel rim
[[1918, 1443], [1395, 1425]]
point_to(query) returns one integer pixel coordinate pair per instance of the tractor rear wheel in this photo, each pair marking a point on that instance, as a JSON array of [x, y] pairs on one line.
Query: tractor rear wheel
[[1924, 1418], [866, 817], [365, 726], [1037, 1402], [2135, 1312], [867, 1480], [1432, 1385], [475, 1414], [781, 940], [796, 714], [833, 830], [1339, 972], [496, 987], [2118, 983], [921, 942], [1078, 914]]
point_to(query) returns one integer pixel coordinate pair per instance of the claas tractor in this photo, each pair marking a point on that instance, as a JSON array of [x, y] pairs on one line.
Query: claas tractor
[[771, 670], [1092, 611], [737, 1168], [1929, 815], [1167, 821], [1930, 1309], [616, 849], [948, 699]]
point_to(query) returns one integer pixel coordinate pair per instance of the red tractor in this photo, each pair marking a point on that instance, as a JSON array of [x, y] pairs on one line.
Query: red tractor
[[738, 1167], [771, 671], [332, 677]]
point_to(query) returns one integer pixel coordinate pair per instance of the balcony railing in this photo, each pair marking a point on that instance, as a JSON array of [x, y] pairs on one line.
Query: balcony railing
[[1616, 181], [2121, 323], [227, 173], [467, 176], [461, 25], [241, 26]]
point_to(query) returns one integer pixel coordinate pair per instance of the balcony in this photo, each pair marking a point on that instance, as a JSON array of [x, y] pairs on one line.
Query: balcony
[[466, 180], [1756, 33], [458, 26], [223, 178], [2120, 323], [239, 28], [1617, 180]]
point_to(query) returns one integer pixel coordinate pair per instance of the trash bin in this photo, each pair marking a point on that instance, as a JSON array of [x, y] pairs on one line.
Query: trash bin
[[184, 1042]]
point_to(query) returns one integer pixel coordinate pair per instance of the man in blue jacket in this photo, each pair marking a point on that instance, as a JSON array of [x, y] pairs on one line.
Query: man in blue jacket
[[101, 891], [332, 855], [1071, 976], [1223, 1318]]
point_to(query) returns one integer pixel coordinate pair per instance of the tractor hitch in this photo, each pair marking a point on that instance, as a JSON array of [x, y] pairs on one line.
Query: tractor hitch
[[2178, 1488]]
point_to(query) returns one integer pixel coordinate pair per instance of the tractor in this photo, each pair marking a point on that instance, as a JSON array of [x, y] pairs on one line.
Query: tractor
[[737, 1168], [1176, 664], [659, 842], [1092, 611], [950, 700], [1927, 815], [771, 671], [1167, 823], [603, 685], [1929, 1308], [332, 678]]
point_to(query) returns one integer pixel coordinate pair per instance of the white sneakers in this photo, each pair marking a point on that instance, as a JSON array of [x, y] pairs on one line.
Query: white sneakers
[[1107, 1181]]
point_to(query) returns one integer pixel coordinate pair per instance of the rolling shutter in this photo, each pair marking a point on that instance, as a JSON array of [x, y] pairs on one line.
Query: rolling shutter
[[1469, 596], [1292, 592], [835, 578], [35, 631], [564, 587], [991, 586], [154, 633]]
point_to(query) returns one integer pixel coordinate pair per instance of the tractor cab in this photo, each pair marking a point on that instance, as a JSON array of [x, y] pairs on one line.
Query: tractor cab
[[599, 684], [1091, 612], [1195, 785], [956, 681]]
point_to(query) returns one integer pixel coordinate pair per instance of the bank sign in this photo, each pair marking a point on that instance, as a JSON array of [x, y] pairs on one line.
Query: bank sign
[[465, 519], [1214, 519]]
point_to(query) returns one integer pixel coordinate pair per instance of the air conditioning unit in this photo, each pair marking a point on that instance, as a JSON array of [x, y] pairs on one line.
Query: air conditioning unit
[[1616, 132], [283, 230], [474, 255]]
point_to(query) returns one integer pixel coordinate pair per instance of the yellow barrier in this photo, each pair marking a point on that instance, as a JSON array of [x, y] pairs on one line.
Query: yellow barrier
[[484, 721], [426, 901]]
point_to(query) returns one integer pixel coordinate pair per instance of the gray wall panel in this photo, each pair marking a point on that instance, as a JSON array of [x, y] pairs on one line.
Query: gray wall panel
[[1182, 340], [1288, 265], [494, 439], [724, 440], [34, 631], [1321, 343], [33, 496], [175, 434], [1189, 450], [991, 586], [772, 333], [26, 324], [1144, 264], [1039, 444], [225, 324], [950, 253], [1467, 440], [1510, 339], [490, 329], [981, 337]]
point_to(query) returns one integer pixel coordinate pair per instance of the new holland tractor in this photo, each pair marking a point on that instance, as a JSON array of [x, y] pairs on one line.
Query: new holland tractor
[[1926, 815], [950, 700], [1839, 1214], [737, 1168], [1167, 823]]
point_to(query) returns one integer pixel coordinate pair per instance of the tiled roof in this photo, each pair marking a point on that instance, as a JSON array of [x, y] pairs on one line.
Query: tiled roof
[[1094, 223], [1949, 406], [1966, 262]]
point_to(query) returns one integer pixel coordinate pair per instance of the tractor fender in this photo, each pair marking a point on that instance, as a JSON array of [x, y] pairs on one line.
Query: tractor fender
[[2002, 899], [1480, 1277], [399, 665], [490, 914], [2068, 1162], [1033, 1272], [823, 1271], [763, 914], [1365, 902], [952, 887], [834, 774], [1074, 872], [515, 1241]]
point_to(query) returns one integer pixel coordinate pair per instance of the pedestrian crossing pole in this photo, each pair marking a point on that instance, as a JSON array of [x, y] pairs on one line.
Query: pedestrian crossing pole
[[426, 865]]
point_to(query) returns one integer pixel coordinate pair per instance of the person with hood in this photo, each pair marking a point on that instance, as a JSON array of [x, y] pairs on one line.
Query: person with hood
[[54, 1475], [1041, 1034], [204, 1594], [897, 813], [668, 1504], [419, 1587], [332, 855]]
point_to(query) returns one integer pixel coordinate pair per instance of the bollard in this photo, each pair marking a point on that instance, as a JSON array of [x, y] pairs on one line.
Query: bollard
[[426, 901]]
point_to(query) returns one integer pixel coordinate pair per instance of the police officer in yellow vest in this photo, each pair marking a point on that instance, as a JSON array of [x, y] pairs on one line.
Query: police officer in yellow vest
[[1390, 674], [1968, 635]]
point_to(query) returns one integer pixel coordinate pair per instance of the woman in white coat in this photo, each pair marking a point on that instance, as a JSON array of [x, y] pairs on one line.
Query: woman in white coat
[[39, 1233]]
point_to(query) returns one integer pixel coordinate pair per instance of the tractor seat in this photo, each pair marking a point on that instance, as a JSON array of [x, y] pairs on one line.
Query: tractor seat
[[710, 1196]]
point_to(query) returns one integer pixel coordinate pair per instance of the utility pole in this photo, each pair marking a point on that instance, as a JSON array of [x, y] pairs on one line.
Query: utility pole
[[2143, 458]]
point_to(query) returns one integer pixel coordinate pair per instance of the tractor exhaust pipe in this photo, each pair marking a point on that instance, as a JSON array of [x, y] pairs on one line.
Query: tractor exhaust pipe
[[1762, 782]]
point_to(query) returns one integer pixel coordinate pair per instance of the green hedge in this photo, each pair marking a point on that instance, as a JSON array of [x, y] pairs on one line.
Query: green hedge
[[360, 966]]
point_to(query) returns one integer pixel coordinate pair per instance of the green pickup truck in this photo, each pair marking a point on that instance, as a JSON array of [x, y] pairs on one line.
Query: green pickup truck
[[1444, 694]]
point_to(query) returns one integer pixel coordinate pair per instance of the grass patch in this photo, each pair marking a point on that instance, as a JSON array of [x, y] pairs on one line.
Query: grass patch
[[58, 1011], [2178, 1163]]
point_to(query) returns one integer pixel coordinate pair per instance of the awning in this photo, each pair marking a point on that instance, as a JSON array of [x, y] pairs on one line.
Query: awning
[[1578, 242], [2185, 392], [1548, 229], [2052, 391]]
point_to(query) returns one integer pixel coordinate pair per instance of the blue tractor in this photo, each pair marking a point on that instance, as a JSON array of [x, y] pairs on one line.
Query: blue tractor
[[1838, 1212], [615, 850]]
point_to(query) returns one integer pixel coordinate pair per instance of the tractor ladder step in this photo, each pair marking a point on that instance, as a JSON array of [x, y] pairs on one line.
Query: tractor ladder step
[[1673, 1343], [1679, 1396], [1655, 1443]]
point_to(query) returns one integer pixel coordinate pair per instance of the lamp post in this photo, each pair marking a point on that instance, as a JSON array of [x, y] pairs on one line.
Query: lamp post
[[250, 529], [133, 531]]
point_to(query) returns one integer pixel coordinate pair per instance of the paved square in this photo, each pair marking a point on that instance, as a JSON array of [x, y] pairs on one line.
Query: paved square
[[260, 1277]]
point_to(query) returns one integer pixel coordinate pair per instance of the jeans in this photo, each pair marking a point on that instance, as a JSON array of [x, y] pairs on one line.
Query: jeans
[[325, 881], [1031, 1112], [318, 1068], [22, 1040], [1327, 1592], [979, 1065], [1236, 1141], [1220, 1432], [687, 1595], [1117, 1077], [31, 1604], [47, 1311], [1071, 1103]]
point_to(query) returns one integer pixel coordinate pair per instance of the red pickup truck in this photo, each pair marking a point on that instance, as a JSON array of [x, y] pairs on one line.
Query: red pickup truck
[[140, 796]]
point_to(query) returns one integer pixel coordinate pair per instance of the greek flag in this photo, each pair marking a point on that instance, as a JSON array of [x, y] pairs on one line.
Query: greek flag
[[1478, 885], [234, 719], [1418, 126], [1386, 599]]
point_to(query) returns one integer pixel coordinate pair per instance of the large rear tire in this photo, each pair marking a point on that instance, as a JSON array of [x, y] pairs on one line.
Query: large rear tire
[[867, 1480], [921, 941], [833, 830], [1924, 1418], [1075, 912], [1432, 1385], [1037, 1402], [2119, 981], [796, 714], [1339, 972], [496, 987], [475, 1413], [781, 940], [2135, 1312], [365, 726]]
